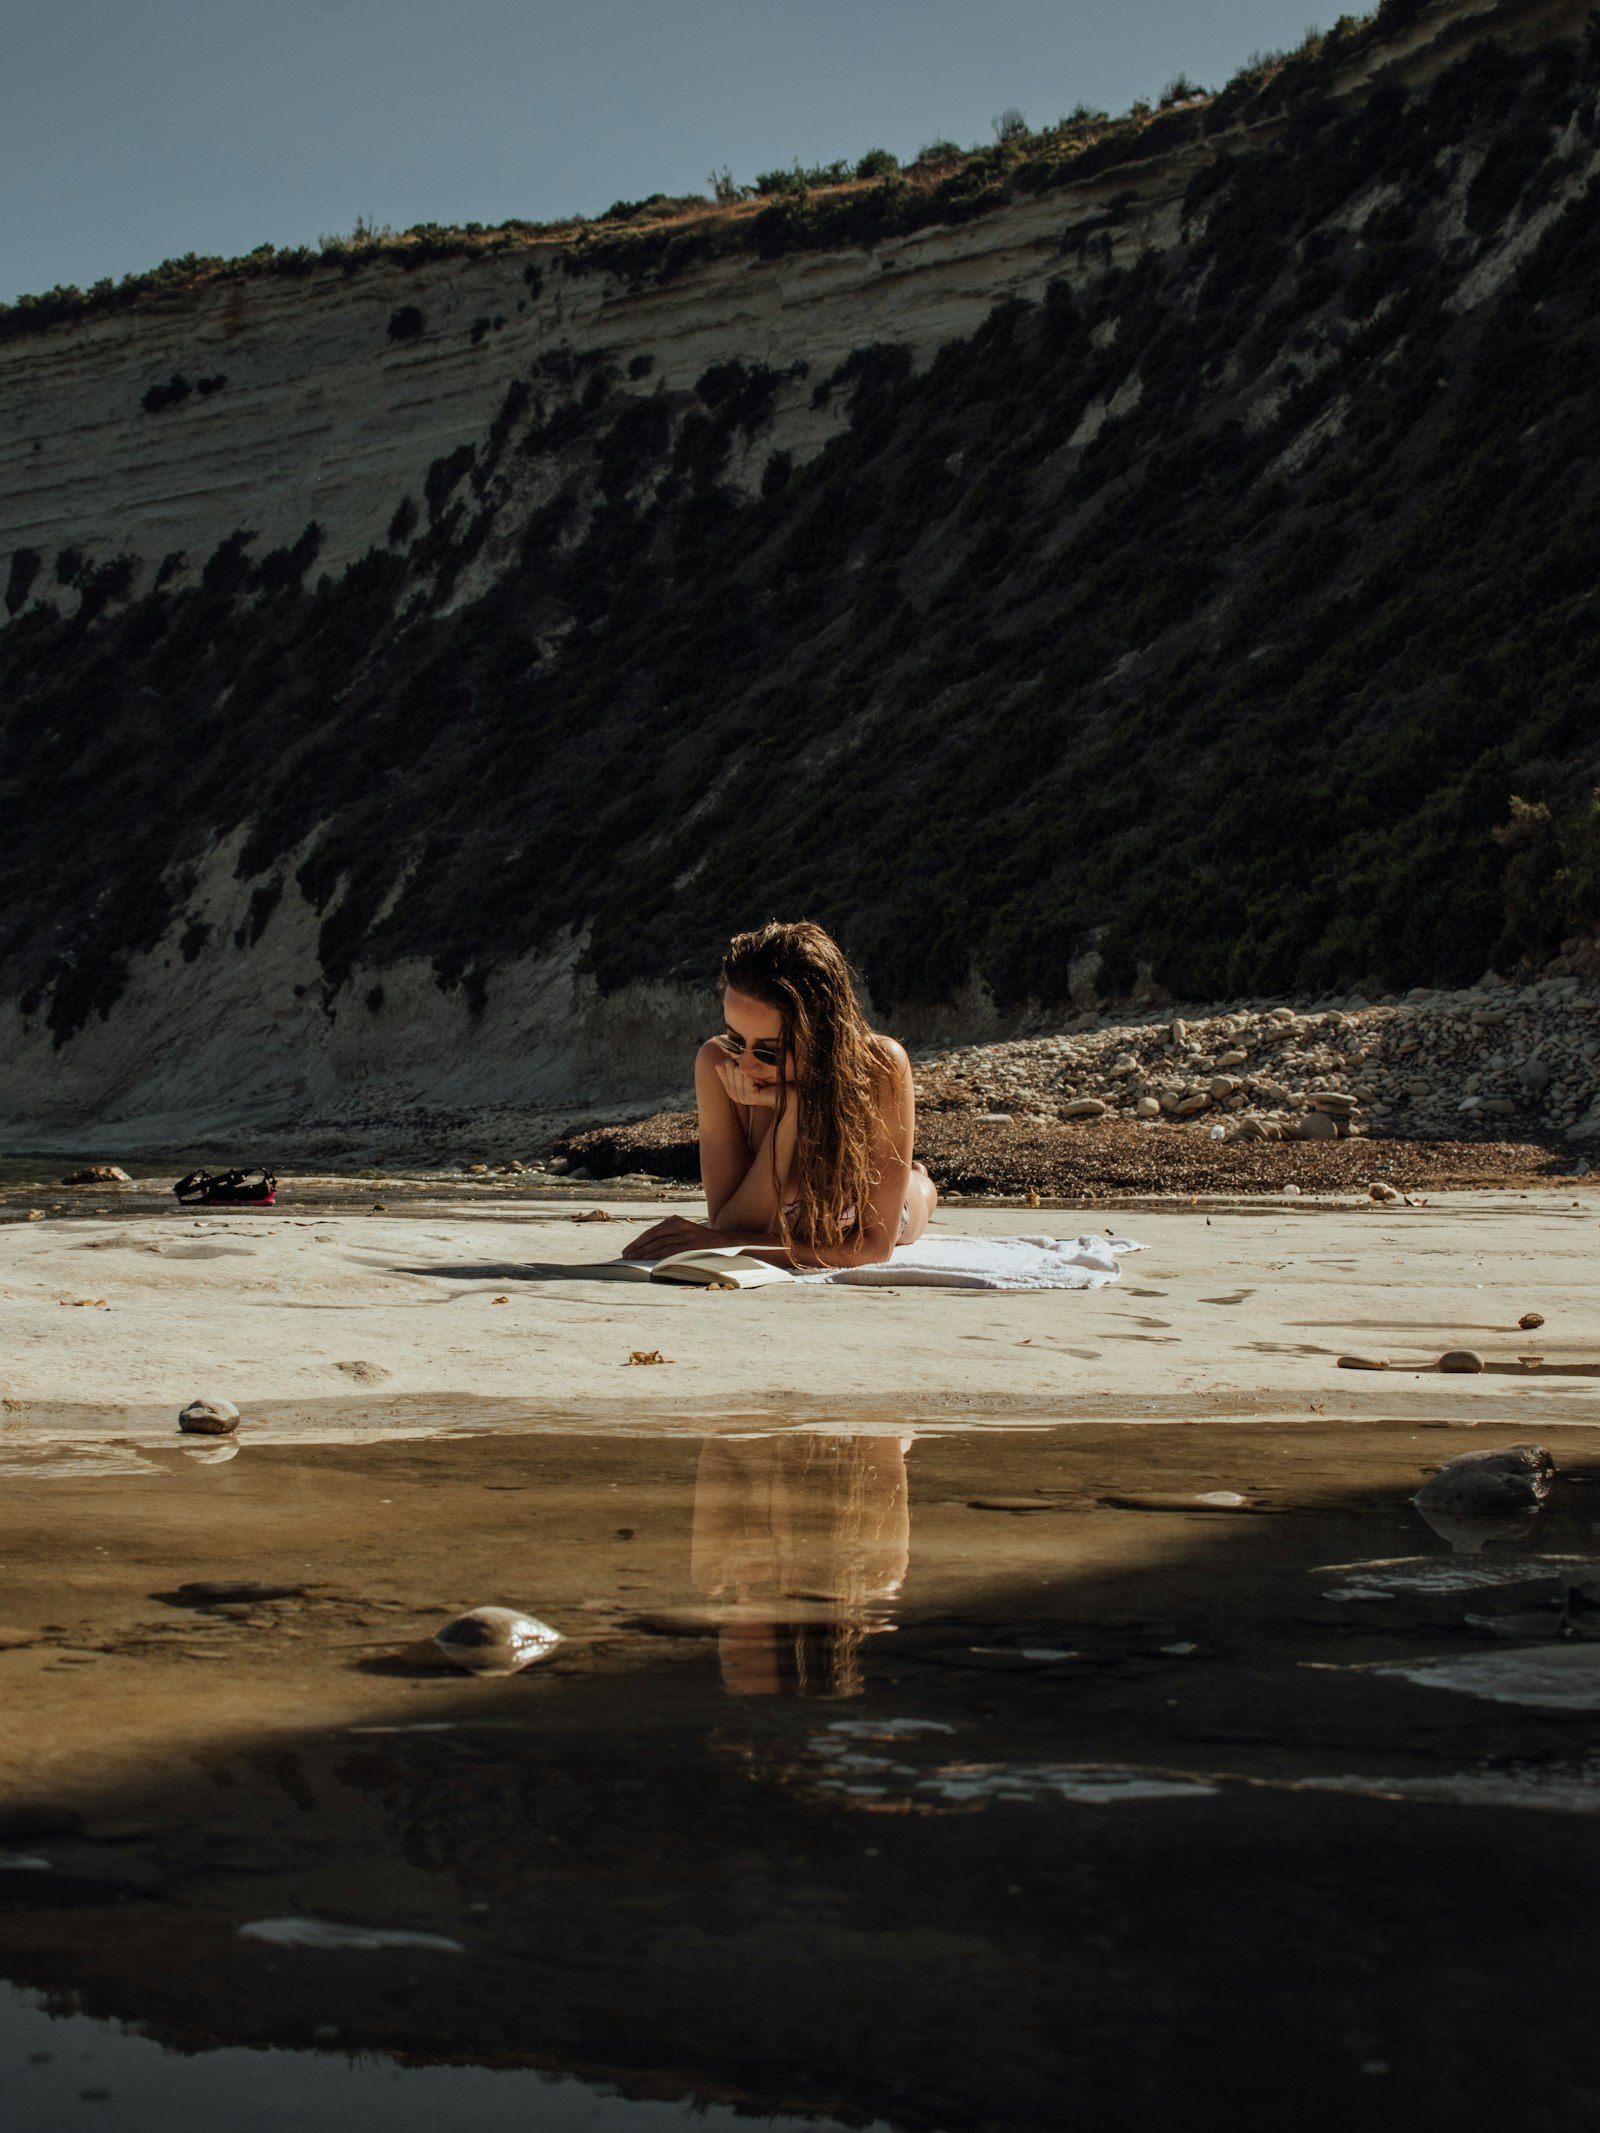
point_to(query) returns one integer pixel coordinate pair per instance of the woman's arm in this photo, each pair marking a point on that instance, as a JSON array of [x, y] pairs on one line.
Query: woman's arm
[[727, 1168], [724, 1151], [741, 1187], [877, 1227]]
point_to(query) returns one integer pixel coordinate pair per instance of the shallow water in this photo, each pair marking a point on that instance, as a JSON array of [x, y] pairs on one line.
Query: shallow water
[[1113, 1776], [60, 2072]]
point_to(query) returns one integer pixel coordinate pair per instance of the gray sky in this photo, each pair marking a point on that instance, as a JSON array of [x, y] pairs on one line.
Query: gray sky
[[135, 130]]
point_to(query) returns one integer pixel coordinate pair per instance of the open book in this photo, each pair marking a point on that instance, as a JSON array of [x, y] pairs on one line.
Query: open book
[[712, 1266]]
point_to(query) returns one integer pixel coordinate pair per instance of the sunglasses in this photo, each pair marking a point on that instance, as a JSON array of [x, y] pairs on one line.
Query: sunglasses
[[766, 1050]]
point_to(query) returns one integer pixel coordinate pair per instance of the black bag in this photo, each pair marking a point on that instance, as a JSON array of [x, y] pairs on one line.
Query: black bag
[[230, 1188]]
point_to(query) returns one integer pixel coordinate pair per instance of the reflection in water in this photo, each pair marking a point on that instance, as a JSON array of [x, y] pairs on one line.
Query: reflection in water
[[1469, 1535], [60, 2071], [800, 1539], [953, 1902]]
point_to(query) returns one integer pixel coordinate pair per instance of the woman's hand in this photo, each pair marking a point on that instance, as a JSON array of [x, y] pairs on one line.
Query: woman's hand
[[672, 1235], [742, 1090]]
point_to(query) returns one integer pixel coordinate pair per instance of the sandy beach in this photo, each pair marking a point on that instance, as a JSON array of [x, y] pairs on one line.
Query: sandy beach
[[358, 1326]]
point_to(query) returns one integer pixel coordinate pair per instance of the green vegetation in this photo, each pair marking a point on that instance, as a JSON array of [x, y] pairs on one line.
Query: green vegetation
[[177, 389], [1282, 679]]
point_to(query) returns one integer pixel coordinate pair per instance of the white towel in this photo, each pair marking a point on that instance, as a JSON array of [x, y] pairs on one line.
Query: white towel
[[992, 1263]]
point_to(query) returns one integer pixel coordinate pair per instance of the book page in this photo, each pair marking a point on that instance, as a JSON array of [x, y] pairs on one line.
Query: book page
[[727, 1263]]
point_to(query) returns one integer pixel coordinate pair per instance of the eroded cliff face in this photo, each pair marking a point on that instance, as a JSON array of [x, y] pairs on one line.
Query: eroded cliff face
[[315, 412], [249, 1053], [412, 673], [328, 398]]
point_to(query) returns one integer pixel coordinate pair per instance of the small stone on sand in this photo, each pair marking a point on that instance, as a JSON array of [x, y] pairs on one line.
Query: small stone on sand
[[209, 1418], [496, 1640]]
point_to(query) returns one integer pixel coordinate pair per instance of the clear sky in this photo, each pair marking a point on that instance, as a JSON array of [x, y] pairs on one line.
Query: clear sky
[[135, 130]]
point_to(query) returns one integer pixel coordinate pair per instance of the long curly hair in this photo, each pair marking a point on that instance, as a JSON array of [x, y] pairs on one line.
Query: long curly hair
[[800, 970]]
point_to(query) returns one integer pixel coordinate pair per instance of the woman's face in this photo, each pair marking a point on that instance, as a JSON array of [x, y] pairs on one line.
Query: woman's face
[[753, 1034]]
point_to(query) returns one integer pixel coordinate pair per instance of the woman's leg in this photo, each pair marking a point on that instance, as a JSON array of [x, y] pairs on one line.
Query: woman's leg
[[922, 1197]]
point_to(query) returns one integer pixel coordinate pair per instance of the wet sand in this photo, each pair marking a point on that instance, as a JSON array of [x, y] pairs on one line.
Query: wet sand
[[985, 1778]]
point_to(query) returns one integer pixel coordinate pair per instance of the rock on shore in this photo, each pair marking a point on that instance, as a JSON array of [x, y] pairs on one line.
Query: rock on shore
[[1445, 1088], [1431, 1066]]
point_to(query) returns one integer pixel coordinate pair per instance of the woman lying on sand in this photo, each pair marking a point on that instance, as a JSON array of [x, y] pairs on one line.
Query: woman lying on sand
[[806, 1117]]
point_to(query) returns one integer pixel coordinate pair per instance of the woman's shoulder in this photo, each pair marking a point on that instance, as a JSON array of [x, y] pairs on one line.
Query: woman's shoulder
[[890, 1055]]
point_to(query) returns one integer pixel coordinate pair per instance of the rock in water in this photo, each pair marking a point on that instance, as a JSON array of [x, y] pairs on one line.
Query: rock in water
[[209, 1418], [1490, 1484], [1461, 1362], [496, 1640]]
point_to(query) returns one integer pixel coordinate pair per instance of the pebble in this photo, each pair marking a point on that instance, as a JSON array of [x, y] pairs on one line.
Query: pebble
[[496, 1640], [1361, 1362], [98, 1174], [1530, 1319], [209, 1418], [1382, 1193], [1461, 1362], [1085, 1107], [1318, 1126]]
